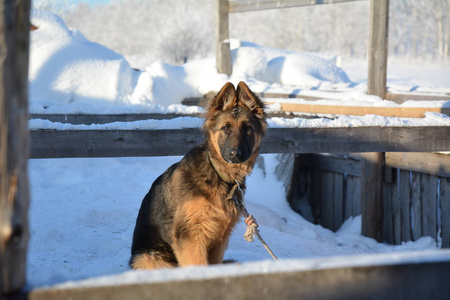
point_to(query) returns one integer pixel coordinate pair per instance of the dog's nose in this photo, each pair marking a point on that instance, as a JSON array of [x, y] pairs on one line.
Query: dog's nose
[[235, 154]]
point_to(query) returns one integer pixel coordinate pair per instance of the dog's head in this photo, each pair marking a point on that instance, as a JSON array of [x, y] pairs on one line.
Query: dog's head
[[235, 123]]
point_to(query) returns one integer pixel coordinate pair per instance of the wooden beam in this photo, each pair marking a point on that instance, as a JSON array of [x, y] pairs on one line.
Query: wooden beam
[[378, 47], [14, 143], [336, 164], [421, 280], [252, 5], [428, 163], [223, 53], [399, 112], [402, 97], [89, 119], [110, 143]]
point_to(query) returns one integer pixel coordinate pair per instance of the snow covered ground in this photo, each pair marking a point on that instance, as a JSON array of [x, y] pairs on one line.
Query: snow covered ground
[[83, 210], [83, 213]]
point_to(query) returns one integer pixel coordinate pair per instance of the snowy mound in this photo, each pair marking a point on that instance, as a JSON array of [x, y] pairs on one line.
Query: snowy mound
[[65, 67], [284, 67], [70, 74]]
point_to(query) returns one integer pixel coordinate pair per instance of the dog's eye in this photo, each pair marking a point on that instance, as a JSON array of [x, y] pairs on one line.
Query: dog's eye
[[226, 128], [248, 129]]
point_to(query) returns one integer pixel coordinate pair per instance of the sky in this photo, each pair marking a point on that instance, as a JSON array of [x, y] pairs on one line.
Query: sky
[[93, 2]]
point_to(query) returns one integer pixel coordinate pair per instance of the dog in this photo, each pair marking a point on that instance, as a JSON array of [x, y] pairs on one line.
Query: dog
[[187, 217]]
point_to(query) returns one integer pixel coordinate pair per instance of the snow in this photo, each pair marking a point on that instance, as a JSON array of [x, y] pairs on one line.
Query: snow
[[83, 210], [69, 74], [430, 119], [264, 267], [83, 213]]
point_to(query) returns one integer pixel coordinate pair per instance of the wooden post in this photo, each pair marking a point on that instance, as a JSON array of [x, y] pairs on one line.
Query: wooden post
[[223, 54], [378, 47], [14, 148], [373, 163], [372, 195]]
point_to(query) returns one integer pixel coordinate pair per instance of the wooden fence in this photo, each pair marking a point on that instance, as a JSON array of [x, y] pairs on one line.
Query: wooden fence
[[378, 40], [326, 190], [14, 198]]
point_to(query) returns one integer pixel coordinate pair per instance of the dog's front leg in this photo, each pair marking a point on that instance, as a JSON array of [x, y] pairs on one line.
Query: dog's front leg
[[191, 251], [216, 255]]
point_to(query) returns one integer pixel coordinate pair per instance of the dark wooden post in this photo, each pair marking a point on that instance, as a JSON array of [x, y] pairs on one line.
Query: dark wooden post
[[223, 55], [373, 163], [372, 195], [14, 143], [378, 44]]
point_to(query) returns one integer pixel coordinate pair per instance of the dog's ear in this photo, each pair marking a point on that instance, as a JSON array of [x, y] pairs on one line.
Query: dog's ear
[[250, 100], [226, 98]]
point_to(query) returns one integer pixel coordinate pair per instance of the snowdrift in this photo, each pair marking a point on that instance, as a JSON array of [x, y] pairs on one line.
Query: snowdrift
[[69, 73]]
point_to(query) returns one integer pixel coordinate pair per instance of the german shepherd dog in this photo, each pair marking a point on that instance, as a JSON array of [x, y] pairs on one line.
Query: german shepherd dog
[[186, 218]]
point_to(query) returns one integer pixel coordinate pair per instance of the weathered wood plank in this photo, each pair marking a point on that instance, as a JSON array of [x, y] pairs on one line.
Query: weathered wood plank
[[429, 205], [14, 143], [416, 207], [223, 54], [110, 143], [388, 226], [396, 208], [405, 205], [89, 119], [378, 47], [372, 195], [330, 163], [338, 205], [426, 280], [356, 191], [397, 112], [333, 94], [429, 163], [316, 194], [445, 212], [400, 98], [348, 199], [326, 199], [252, 5]]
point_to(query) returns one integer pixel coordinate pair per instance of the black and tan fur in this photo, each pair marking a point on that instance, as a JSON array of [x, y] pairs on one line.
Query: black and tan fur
[[185, 219]]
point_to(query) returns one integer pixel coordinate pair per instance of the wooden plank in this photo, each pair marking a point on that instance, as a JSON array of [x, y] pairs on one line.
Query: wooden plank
[[429, 205], [252, 5], [223, 54], [122, 143], [388, 218], [316, 194], [396, 209], [378, 47], [356, 196], [331, 163], [422, 280], [338, 204], [326, 199], [445, 212], [429, 163], [348, 199], [333, 95], [89, 119], [416, 207], [14, 144], [398, 112], [372, 195], [405, 205], [402, 97]]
